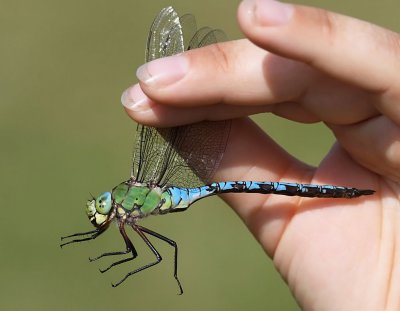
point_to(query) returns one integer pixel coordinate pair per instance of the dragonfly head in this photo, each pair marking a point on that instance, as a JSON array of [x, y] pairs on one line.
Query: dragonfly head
[[99, 209]]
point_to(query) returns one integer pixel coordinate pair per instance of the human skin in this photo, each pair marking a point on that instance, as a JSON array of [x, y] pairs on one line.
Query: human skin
[[307, 65]]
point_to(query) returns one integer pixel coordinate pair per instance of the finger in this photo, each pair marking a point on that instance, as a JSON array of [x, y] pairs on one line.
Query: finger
[[235, 72], [241, 75], [374, 144], [351, 50], [320, 98], [148, 112]]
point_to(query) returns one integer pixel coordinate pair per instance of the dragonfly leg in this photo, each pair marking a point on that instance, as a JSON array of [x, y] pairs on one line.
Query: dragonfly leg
[[94, 234], [129, 248], [174, 245], [152, 248], [170, 242]]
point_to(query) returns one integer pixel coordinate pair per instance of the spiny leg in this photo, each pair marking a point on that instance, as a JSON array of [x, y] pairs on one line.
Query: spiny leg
[[94, 234], [152, 248], [128, 243], [129, 248], [174, 245]]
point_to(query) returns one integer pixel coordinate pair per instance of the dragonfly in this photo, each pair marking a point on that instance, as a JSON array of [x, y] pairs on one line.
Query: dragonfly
[[172, 168]]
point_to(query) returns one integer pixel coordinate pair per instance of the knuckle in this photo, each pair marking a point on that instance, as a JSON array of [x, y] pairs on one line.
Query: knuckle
[[219, 56], [392, 154], [327, 22], [392, 43], [214, 58]]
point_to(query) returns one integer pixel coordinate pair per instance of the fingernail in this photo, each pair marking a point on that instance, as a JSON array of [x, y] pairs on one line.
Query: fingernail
[[163, 71], [134, 99], [268, 12]]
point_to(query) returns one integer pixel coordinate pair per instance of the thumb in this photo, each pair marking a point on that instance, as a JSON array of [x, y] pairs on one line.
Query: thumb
[[335, 44]]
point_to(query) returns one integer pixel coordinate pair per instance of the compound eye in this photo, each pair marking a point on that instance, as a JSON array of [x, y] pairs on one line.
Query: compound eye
[[103, 203]]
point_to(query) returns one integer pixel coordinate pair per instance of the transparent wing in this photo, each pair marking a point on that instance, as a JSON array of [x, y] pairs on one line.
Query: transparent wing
[[205, 36], [185, 156], [165, 37]]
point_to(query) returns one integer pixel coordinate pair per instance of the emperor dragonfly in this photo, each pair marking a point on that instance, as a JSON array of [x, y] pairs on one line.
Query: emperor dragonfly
[[170, 166]]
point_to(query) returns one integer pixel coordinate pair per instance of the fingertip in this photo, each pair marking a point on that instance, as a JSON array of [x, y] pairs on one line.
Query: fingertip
[[265, 12], [144, 110], [266, 24], [163, 72], [134, 99], [146, 117], [137, 105]]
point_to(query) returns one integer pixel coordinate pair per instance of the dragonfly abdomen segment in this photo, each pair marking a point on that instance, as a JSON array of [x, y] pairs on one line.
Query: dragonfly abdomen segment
[[175, 199], [289, 189]]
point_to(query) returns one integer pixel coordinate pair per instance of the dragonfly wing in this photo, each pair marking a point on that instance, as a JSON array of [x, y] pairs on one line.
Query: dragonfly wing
[[184, 156], [206, 36], [189, 29], [165, 37]]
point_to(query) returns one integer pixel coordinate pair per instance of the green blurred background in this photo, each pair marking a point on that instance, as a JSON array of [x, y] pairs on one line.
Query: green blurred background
[[63, 66]]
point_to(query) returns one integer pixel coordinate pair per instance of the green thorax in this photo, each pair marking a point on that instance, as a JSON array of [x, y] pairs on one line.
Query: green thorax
[[136, 199]]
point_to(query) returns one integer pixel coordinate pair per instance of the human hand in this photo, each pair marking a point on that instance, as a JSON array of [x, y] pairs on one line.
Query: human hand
[[334, 254]]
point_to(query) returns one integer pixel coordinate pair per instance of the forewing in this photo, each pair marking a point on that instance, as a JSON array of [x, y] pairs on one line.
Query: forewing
[[165, 37], [185, 156]]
